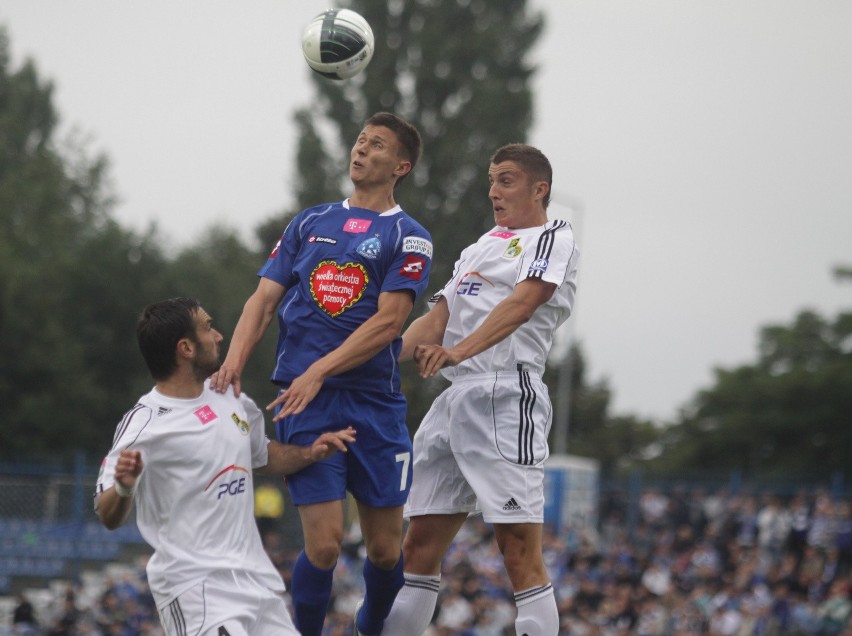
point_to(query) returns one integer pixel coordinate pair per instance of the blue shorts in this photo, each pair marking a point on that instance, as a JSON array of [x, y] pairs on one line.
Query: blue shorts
[[377, 468]]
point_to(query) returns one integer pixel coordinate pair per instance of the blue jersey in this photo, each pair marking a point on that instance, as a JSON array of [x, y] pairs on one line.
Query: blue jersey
[[335, 260]]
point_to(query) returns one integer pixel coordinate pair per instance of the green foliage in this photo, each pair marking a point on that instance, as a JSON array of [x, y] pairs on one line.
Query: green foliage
[[618, 443], [787, 413], [73, 282], [69, 275], [219, 271]]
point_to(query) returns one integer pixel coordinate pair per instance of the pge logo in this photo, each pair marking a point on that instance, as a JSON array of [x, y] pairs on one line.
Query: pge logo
[[231, 487], [471, 284]]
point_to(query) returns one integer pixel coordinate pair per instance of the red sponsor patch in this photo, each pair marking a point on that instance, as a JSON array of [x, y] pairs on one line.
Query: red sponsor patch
[[356, 226], [412, 267], [205, 414], [502, 234], [275, 249], [335, 287]]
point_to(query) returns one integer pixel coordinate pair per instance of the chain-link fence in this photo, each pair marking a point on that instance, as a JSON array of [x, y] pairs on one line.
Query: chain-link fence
[[47, 526]]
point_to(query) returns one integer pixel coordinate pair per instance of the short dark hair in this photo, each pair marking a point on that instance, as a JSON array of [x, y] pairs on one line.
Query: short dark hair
[[406, 133], [160, 327], [531, 160]]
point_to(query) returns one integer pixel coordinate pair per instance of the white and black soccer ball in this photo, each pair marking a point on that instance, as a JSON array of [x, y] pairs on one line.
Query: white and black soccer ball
[[338, 43]]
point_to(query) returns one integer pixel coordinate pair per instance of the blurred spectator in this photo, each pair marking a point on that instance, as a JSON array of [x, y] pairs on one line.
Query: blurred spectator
[[66, 623], [833, 613], [268, 508], [24, 620], [843, 538]]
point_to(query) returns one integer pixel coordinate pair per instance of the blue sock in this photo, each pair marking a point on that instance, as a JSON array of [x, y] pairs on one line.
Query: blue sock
[[311, 591], [382, 588]]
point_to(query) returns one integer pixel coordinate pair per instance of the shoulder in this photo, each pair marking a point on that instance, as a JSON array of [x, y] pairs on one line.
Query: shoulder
[[556, 236], [322, 208], [558, 228], [315, 214], [228, 398], [410, 226], [248, 403], [136, 421]]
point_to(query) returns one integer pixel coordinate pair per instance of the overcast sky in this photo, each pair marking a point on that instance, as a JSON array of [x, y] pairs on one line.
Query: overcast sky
[[702, 149]]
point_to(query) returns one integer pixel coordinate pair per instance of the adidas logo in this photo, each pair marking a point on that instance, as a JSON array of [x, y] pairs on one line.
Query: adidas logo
[[163, 411], [511, 505]]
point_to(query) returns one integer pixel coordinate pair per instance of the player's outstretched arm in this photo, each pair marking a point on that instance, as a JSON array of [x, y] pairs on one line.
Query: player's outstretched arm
[[428, 329], [114, 504], [285, 459], [509, 314], [257, 314]]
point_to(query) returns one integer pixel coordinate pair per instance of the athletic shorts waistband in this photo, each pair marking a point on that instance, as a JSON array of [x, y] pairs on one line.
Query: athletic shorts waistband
[[469, 376]]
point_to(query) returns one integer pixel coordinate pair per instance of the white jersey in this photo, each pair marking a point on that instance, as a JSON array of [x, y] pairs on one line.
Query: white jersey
[[194, 501], [487, 272]]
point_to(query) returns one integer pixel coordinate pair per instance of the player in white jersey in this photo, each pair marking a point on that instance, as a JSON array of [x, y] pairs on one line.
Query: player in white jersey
[[482, 445], [184, 455]]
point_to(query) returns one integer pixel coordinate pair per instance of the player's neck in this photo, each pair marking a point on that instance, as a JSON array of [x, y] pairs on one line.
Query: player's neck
[[379, 200], [181, 386], [524, 222]]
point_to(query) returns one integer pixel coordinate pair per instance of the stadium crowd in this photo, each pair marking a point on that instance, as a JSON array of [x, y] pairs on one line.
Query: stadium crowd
[[681, 563]]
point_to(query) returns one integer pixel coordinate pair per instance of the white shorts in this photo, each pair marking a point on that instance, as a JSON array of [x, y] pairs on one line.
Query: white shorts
[[482, 447], [228, 603]]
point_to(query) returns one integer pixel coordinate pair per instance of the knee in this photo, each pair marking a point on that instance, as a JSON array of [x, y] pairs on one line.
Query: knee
[[385, 559], [324, 554], [384, 551]]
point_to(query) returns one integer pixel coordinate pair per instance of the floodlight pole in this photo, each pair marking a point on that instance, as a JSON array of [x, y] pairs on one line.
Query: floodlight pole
[[563, 400]]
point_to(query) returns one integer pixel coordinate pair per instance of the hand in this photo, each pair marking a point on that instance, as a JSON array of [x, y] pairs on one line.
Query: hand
[[328, 444], [431, 358], [298, 395], [226, 376], [128, 468]]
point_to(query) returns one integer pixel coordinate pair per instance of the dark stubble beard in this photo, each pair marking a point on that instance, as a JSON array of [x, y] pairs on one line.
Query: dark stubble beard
[[203, 369]]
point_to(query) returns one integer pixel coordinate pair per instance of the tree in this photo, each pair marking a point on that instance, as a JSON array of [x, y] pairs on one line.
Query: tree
[[618, 443], [460, 72], [70, 281], [787, 413], [217, 271]]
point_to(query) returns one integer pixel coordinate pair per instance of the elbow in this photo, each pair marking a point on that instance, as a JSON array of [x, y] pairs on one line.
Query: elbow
[[110, 524], [390, 330]]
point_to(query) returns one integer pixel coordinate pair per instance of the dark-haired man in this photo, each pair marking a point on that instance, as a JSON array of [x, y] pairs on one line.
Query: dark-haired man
[[184, 456]]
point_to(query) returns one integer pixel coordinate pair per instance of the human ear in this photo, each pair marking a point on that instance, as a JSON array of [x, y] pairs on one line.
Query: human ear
[[402, 168]]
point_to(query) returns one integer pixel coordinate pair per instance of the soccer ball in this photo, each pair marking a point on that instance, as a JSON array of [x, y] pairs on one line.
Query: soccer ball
[[338, 44]]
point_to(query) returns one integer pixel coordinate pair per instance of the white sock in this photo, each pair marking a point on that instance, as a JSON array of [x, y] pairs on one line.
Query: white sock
[[414, 606], [537, 612]]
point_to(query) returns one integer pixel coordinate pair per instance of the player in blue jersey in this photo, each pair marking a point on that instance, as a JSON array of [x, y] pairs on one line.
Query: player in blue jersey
[[343, 280]]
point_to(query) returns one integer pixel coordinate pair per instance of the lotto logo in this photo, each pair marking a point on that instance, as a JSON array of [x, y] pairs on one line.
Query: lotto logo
[[412, 267]]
